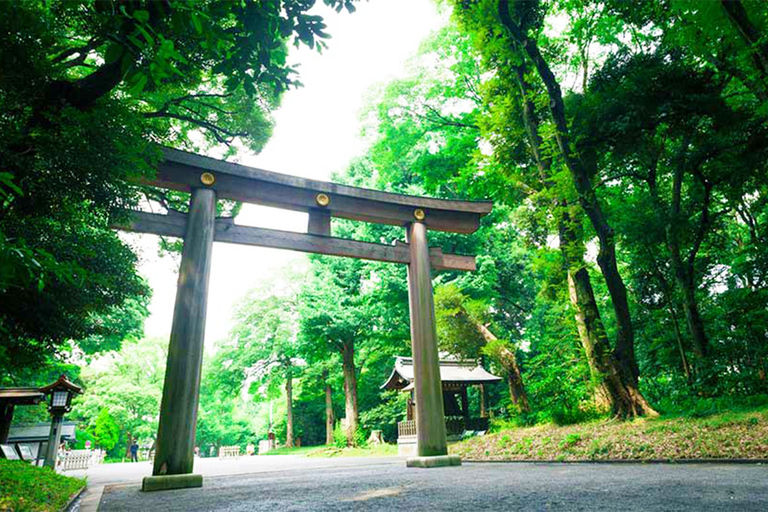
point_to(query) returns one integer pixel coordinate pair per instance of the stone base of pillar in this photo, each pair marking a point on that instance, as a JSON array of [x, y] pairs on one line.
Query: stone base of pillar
[[168, 482], [437, 461]]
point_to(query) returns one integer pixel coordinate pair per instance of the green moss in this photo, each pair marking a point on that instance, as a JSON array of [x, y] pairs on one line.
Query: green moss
[[27, 488]]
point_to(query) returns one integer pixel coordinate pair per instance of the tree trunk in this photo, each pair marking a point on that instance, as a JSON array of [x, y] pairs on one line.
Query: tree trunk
[[612, 385], [606, 259], [508, 360], [680, 346], [590, 328], [752, 36], [289, 407], [128, 443], [483, 412], [624, 352], [329, 419], [693, 319], [684, 270], [350, 390]]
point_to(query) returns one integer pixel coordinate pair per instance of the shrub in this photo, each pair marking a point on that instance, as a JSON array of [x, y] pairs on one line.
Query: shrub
[[339, 436], [569, 440], [24, 487]]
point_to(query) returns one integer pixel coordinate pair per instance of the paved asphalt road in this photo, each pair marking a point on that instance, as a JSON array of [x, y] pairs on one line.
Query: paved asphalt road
[[385, 484]]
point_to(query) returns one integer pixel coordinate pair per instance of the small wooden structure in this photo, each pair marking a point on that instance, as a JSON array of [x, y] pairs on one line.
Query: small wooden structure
[[208, 180], [9, 399], [35, 438], [455, 376], [61, 393]]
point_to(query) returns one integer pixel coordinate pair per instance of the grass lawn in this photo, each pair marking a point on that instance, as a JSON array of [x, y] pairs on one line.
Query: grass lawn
[[27, 488], [383, 450], [304, 450], [331, 451], [727, 435]]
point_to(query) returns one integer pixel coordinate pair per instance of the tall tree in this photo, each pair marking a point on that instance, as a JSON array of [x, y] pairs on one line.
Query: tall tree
[[88, 88], [333, 317], [263, 350]]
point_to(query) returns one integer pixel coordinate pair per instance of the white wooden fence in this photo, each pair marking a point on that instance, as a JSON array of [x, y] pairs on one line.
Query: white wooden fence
[[229, 452], [76, 459]]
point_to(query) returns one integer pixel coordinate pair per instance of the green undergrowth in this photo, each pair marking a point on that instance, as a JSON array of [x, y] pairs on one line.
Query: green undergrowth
[[732, 434], [27, 488], [283, 450], [383, 450], [332, 451]]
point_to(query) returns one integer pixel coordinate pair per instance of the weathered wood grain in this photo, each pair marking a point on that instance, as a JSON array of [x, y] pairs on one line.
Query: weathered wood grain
[[178, 410], [430, 418]]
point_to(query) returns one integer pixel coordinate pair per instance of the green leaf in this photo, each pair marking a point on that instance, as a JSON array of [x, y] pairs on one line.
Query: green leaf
[[114, 52], [141, 15], [196, 22], [139, 84], [147, 37]]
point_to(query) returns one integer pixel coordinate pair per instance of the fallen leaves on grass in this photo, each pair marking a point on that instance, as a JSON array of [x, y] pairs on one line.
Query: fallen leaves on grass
[[725, 436]]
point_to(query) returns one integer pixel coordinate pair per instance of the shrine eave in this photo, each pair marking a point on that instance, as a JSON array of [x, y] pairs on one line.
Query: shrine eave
[[452, 372]]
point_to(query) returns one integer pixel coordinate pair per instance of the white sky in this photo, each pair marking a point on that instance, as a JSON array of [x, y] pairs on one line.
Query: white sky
[[316, 132]]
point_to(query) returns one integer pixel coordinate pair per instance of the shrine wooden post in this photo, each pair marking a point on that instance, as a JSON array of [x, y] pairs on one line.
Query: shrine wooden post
[[174, 453], [209, 179]]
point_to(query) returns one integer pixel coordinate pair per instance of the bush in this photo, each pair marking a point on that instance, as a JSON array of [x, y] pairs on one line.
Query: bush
[[339, 436], [563, 416], [700, 407], [361, 437], [28, 488]]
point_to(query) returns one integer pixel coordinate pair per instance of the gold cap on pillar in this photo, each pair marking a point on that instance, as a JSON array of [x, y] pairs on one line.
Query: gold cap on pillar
[[419, 214], [322, 199], [207, 179]]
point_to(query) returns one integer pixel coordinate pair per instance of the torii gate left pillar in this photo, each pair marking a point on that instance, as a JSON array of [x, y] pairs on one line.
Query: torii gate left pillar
[[174, 448]]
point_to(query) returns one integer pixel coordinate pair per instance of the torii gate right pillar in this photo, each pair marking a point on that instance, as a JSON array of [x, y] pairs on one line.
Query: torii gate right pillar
[[432, 446]]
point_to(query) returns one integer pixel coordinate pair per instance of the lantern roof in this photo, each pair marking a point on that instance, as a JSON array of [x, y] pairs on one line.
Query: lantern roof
[[62, 382]]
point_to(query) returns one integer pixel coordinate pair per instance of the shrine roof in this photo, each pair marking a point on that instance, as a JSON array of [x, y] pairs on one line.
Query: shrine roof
[[21, 396], [452, 371], [30, 433]]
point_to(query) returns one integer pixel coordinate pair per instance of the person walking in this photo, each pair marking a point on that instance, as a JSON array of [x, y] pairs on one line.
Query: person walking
[[135, 451]]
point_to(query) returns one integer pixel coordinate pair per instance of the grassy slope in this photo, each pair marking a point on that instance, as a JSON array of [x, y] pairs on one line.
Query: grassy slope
[[732, 435], [24, 487]]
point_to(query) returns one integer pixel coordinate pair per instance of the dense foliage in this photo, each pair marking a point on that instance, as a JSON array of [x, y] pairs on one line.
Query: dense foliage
[[622, 272], [88, 89]]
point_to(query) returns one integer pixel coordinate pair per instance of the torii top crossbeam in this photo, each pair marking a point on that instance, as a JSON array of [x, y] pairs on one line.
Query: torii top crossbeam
[[182, 171]]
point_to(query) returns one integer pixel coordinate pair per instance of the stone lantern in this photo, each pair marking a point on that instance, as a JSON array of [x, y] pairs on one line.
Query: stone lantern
[[60, 402]]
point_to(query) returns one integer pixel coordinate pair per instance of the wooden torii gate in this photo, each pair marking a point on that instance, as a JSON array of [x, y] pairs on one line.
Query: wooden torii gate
[[210, 179]]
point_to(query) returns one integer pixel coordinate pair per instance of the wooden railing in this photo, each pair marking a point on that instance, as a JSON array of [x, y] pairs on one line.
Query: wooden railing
[[76, 459], [406, 428], [229, 452], [454, 426]]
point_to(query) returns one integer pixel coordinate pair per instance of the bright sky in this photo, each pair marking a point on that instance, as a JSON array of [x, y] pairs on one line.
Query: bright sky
[[316, 133]]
